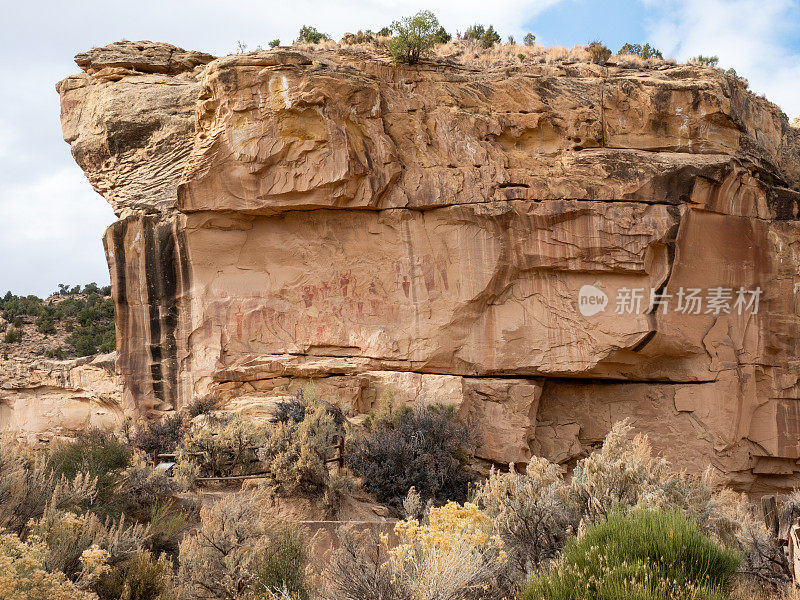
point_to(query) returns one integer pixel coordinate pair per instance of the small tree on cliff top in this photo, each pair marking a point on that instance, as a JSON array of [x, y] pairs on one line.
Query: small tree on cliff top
[[414, 36]]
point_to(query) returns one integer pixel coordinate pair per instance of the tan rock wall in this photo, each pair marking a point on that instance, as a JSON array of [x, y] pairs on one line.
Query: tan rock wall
[[289, 217], [46, 399]]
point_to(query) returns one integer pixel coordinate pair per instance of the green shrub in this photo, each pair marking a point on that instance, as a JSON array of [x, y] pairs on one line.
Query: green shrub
[[645, 52], [521, 57], [296, 452], [45, 324], [441, 36], [141, 577], [166, 521], [487, 37], [648, 555], [223, 446], [707, 61], [94, 452], [56, 353], [282, 563], [413, 37], [97, 454], [160, 436], [13, 336], [274, 43], [598, 52], [384, 32], [310, 35], [529, 39], [425, 448]]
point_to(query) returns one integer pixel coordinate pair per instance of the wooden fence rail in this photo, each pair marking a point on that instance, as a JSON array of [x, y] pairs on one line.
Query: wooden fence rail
[[171, 456]]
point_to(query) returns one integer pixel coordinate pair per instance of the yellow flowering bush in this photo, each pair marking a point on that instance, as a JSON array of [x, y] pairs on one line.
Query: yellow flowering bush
[[23, 575], [448, 526], [94, 564], [453, 555]]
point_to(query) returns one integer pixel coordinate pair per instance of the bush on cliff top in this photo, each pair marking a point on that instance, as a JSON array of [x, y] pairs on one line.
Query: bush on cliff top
[[598, 52], [414, 37], [310, 35], [644, 52], [486, 36]]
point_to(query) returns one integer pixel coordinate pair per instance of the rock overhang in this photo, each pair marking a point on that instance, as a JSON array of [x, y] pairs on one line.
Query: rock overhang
[[293, 215]]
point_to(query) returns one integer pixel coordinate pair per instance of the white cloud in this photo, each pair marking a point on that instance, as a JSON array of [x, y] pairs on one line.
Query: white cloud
[[51, 222], [749, 35], [52, 232], [7, 139]]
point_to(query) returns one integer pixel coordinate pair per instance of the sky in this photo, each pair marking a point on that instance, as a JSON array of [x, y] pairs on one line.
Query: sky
[[51, 221]]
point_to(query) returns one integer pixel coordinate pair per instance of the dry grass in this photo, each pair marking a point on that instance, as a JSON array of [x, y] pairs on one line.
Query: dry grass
[[470, 53]]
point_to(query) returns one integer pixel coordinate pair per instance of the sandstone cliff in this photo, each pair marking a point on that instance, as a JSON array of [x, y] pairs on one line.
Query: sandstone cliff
[[290, 215], [42, 399]]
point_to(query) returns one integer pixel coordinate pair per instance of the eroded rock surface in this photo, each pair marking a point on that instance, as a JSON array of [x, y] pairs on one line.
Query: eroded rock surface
[[45, 399], [288, 216]]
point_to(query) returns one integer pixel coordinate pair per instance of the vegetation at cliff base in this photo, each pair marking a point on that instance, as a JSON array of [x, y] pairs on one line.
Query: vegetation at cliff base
[[648, 555], [426, 448], [90, 519]]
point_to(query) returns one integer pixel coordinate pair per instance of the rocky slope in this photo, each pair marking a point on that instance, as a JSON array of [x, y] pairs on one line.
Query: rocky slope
[[426, 232]]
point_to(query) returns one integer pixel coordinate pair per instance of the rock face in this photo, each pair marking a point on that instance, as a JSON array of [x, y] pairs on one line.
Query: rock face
[[45, 399], [430, 232]]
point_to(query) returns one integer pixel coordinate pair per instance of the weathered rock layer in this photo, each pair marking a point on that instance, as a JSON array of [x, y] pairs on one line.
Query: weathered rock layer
[[288, 216], [45, 399]]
